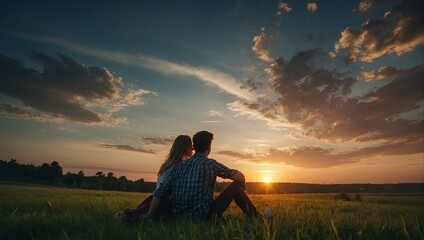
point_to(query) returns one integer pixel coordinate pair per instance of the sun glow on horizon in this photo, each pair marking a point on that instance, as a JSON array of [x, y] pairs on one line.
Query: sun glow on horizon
[[267, 180]]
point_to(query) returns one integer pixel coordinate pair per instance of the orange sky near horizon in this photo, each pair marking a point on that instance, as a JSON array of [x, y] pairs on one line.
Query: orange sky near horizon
[[291, 93]]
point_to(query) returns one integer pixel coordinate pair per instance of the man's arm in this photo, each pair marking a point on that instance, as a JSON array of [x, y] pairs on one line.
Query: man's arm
[[153, 207], [225, 172], [238, 177]]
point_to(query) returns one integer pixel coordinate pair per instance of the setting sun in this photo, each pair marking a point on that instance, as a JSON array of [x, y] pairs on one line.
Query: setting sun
[[267, 180]]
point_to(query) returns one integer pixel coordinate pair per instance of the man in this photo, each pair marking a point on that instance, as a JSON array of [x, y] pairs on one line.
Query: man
[[191, 185]]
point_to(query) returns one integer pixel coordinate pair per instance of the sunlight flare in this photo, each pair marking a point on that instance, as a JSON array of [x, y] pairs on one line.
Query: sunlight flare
[[267, 180]]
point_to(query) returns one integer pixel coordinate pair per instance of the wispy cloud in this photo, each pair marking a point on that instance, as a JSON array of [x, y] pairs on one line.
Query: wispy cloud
[[263, 110], [283, 7], [13, 111], [236, 154], [210, 76], [312, 6], [158, 140], [368, 5], [251, 85], [317, 157], [365, 5], [214, 113], [127, 148], [260, 46], [381, 73]]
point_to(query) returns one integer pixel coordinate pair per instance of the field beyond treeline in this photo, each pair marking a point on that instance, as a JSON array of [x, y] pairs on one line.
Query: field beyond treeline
[[42, 212]]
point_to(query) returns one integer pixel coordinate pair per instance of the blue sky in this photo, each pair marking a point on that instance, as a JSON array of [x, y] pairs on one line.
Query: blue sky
[[294, 91]]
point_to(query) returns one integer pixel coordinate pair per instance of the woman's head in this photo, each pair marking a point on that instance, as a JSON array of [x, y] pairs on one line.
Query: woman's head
[[181, 149]]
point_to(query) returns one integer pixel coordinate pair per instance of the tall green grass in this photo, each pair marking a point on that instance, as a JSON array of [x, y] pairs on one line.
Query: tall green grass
[[37, 212]]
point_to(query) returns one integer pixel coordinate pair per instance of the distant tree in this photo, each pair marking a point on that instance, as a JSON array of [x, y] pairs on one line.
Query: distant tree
[[110, 182], [122, 183], [100, 180], [80, 178], [56, 171]]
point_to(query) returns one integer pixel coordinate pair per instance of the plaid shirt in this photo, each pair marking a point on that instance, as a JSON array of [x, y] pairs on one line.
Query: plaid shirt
[[191, 185]]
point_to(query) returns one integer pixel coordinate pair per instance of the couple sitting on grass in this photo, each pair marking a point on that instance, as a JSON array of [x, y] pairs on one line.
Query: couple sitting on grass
[[186, 182]]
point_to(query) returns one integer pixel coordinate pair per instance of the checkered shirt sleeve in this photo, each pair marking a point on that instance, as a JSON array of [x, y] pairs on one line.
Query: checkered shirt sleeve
[[221, 170]]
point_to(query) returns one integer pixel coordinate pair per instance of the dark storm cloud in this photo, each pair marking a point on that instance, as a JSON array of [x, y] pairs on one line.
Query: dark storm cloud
[[398, 32], [127, 148], [64, 88], [319, 103]]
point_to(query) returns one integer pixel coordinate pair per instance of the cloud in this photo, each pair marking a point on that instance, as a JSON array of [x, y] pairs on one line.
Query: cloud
[[307, 157], [283, 7], [158, 140], [368, 5], [210, 76], [251, 85], [64, 90], [318, 100], [127, 148], [211, 121], [382, 73], [265, 111], [398, 32], [311, 6], [236, 154], [365, 5], [155, 140], [214, 113], [11, 110], [64, 129], [260, 46], [319, 103], [317, 157]]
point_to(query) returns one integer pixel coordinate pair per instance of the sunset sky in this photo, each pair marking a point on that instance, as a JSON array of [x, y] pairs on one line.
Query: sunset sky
[[294, 91]]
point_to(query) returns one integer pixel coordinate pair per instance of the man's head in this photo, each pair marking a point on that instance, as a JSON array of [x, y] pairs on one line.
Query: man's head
[[202, 142]]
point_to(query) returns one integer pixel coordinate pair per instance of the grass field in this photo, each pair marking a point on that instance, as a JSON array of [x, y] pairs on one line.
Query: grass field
[[39, 212]]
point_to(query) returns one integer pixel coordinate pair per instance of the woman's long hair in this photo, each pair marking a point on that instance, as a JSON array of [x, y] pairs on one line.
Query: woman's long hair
[[179, 148]]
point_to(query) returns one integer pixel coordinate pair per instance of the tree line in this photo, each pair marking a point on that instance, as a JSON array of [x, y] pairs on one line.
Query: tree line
[[52, 174]]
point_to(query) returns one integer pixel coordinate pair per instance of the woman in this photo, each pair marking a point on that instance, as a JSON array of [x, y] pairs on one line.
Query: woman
[[181, 149]]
